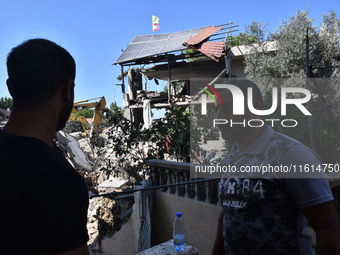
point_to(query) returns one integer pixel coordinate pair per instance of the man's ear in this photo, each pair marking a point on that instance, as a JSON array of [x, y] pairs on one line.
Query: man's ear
[[68, 91]]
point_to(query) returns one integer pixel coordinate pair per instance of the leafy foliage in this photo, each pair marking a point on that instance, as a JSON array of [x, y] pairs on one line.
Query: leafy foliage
[[6, 103], [288, 60], [177, 122], [116, 110], [194, 52], [241, 39], [88, 113], [133, 146]]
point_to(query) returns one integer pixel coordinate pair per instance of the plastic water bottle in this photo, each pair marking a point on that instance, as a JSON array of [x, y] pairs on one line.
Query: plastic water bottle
[[179, 233]]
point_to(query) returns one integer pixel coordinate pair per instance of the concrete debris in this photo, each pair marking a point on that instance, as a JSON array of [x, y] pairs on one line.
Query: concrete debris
[[111, 185], [103, 218], [84, 144], [74, 153]]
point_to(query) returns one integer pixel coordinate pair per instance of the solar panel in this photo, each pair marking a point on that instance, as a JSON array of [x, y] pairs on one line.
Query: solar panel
[[149, 45]]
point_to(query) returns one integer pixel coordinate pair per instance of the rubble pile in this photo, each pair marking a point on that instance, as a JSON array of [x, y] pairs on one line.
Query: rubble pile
[[97, 164], [103, 218], [73, 126]]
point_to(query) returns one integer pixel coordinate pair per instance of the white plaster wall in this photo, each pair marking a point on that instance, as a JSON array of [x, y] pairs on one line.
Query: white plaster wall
[[200, 221]]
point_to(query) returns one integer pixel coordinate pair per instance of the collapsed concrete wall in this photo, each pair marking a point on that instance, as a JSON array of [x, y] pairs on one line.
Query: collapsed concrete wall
[[103, 219], [126, 240]]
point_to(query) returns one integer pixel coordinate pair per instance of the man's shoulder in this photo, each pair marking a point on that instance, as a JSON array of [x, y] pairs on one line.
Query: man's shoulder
[[292, 145], [283, 137], [281, 142], [31, 154], [10, 142]]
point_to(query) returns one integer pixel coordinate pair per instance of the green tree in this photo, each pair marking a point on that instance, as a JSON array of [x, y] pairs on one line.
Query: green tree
[[88, 113], [6, 103], [116, 110], [241, 39], [114, 114], [288, 60]]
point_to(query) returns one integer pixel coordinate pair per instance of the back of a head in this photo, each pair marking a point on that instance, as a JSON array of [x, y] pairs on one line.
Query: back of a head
[[243, 85], [36, 69]]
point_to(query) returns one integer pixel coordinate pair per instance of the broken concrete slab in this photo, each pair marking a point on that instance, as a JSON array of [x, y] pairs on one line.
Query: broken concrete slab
[[70, 147], [4, 114], [112, 184]]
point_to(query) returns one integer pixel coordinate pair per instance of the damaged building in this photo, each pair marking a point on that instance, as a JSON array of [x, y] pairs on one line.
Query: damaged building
[[175, 58]]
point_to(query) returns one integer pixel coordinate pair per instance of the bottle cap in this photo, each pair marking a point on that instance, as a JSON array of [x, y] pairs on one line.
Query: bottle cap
[[179, 214]]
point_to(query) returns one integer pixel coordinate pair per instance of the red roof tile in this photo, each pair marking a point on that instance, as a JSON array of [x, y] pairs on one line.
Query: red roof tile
[[212, 50], [204, 34]]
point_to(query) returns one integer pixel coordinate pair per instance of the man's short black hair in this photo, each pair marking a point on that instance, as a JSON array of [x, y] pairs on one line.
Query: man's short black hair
[[36, 69], [244, 84]]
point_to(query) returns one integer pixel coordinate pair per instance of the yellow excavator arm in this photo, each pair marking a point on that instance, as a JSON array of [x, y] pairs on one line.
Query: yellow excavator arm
[[84, 123], [98, 105]]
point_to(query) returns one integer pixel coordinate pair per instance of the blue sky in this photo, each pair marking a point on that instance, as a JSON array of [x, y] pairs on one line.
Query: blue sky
[[95, 31]]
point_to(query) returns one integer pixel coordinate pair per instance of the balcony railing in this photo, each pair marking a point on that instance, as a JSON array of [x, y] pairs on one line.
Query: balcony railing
[[171, 172]]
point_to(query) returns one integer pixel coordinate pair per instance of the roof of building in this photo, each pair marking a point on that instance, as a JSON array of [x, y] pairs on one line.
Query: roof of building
[[149, 45], [146, 49]]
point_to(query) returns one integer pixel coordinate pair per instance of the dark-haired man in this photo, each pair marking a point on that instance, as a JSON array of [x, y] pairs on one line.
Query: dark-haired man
[[44, 200], [267, 214]]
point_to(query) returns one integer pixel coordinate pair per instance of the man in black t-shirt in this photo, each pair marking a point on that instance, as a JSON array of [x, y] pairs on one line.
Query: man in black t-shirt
[[44, 200]]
